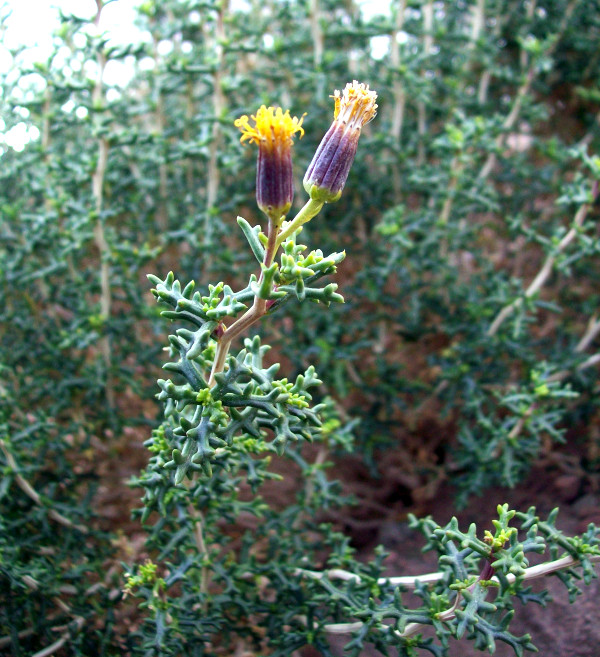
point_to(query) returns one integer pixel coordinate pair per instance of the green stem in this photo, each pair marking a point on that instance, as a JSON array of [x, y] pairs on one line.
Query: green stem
[[259, 307], [310, 210], [272, 243]]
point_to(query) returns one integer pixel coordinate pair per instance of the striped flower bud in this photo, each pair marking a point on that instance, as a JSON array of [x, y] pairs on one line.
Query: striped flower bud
[[272, 131], [326, 176]]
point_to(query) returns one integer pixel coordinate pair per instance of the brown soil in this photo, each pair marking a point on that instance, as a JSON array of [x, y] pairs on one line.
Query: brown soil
[[559, 630]]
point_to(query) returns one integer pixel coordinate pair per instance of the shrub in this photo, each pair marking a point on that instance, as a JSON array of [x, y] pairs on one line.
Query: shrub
[[468, 218]]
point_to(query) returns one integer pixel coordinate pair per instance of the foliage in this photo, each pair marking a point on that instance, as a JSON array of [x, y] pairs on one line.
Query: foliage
[[471, 300]]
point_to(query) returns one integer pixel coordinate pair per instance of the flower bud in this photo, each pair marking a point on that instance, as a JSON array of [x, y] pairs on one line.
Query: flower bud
[[327, 173], [273, 132]]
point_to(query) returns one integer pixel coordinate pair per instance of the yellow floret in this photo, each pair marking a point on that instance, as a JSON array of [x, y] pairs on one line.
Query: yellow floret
[[272, 127], [355, 105]]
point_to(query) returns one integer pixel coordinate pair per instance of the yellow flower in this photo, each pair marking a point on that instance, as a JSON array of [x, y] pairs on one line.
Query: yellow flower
[[356, 105], [273, 132], [327, 173], [272, 127]]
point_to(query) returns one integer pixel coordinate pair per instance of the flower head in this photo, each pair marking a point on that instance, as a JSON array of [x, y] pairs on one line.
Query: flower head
[[273, 132], [327, 173]]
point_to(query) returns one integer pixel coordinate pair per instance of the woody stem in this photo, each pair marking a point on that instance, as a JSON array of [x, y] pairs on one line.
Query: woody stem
[[252, 315]]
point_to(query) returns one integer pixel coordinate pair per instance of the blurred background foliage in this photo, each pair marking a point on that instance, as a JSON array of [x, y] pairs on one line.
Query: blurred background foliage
[[473, 191]]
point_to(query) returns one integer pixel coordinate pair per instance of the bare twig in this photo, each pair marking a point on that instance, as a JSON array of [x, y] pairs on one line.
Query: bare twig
[[486, 76], [455, 171], [57, 645], [427, 11], [411, 581], [309, 488], [219, 105], [28, 489], [161, 123], [477, 22], [547, 267], [316, 33], [524, 89], [508, 123], [589, 336], [99, 235], [76, 624], [198, 520], [397, 87], [23, 634], [398, 91], [587, 363]]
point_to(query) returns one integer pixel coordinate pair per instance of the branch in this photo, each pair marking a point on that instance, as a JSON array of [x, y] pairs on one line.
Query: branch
[[589, 336], [316, 33], [28, 489], [427, 12], [57, 645], [398, 91], [411, 581], [78, 621], [546, 270], [523, 90], [252, 315], [217, 39], [198, 520], [102, 245]]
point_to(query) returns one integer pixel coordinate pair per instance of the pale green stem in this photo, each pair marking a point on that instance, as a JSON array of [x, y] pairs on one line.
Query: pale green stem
[[311, 209]]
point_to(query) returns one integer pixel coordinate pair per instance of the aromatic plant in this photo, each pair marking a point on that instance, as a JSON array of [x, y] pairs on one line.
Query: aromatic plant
[[236, 571], [465, 352]]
